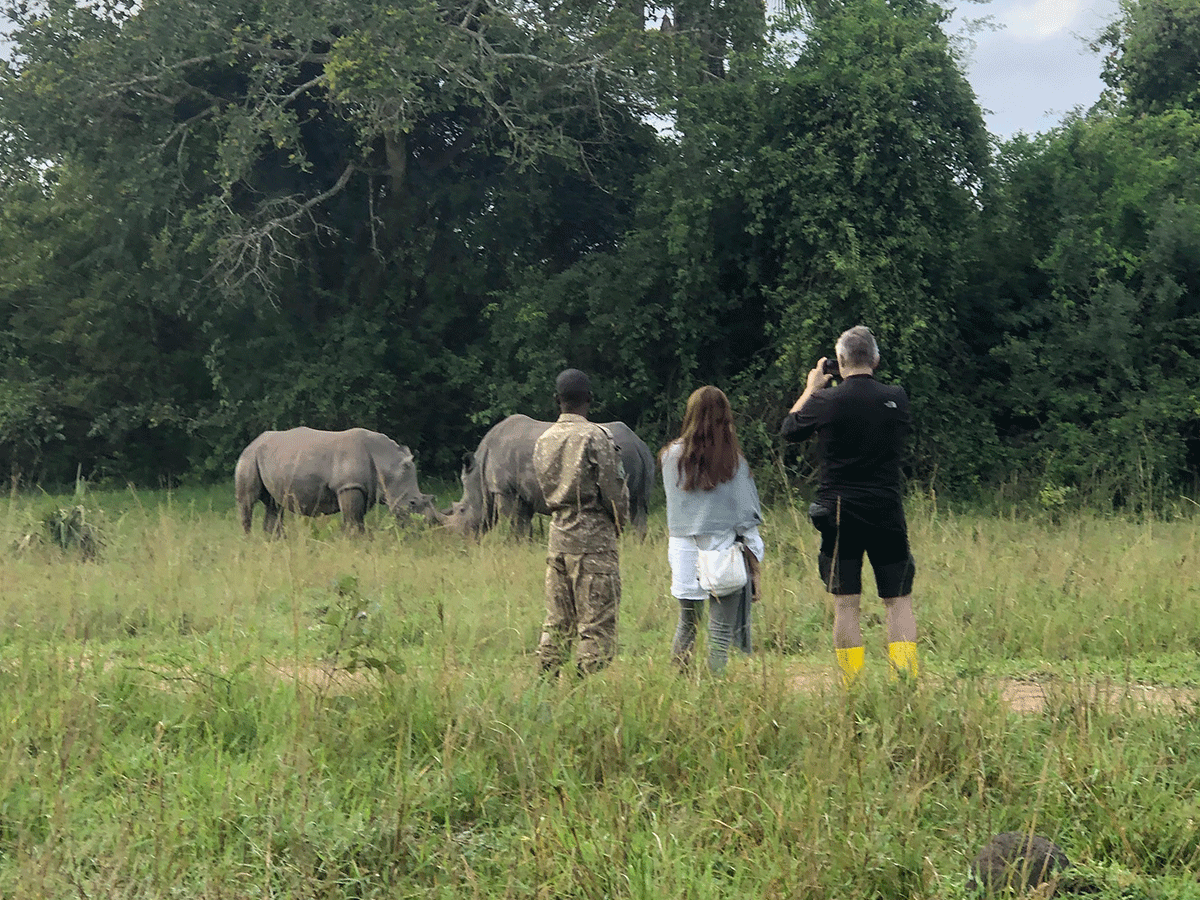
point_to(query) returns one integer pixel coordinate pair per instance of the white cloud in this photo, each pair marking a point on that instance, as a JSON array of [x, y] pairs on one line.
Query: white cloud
[[1036, 67], [1042, 19]]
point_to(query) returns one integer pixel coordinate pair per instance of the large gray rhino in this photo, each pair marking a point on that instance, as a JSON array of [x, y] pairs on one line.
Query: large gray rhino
[[499, 483], [313, 472]]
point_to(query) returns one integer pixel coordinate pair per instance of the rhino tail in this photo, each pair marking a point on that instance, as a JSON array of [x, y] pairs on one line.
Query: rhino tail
[[248, 488]]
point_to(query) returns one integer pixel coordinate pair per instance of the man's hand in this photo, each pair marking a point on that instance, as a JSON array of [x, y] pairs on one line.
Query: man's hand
[[817, 380]]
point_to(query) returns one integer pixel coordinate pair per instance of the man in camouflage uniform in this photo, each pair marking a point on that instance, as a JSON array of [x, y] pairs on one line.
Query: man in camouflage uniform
[[579, 470]]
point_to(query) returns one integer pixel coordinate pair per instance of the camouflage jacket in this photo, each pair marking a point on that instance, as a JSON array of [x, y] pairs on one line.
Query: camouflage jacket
[[579, 470]]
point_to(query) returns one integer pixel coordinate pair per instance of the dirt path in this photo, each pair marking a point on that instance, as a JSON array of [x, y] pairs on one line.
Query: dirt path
[[1023, 695], [1033, 696]]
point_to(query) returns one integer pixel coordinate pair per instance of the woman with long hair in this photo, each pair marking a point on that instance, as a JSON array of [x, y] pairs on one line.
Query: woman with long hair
[[711, 502]]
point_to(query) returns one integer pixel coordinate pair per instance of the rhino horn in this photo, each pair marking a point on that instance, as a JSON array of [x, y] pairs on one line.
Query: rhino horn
[[435, 515]]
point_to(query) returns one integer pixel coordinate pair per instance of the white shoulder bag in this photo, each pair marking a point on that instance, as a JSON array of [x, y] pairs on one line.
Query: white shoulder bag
[[723, 571]]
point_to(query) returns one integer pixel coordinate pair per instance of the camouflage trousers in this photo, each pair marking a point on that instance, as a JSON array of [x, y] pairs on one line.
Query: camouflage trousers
[[583, 595]]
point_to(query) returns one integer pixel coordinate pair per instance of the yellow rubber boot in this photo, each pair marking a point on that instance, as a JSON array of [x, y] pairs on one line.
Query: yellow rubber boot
[[850, 660], [903, 657]]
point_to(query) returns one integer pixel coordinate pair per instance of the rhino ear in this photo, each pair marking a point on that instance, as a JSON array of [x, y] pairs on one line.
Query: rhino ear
[[468, 461]]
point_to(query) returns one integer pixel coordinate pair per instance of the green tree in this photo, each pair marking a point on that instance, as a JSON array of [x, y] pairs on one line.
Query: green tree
[[1099, 304], [1085, 300], [1153, 55], [858, 182], [811, 188], [323, 197], [96, 361]]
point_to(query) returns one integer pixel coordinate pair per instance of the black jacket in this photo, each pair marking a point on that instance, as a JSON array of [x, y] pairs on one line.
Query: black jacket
[[862, 430]]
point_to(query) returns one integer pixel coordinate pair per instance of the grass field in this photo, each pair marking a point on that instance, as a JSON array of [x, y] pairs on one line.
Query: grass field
[[198, 714]]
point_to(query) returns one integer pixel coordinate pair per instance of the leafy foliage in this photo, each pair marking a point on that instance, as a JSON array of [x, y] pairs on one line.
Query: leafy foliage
[[867, 174], [319, 201], [223, 218], [1100, 349], [1153, 61], [805, 192]]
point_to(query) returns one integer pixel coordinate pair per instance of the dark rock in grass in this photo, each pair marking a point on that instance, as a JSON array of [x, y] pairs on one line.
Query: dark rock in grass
[[1018, 860]]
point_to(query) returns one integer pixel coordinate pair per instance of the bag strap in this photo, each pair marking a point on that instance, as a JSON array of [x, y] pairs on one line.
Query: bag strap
[[753, 571]]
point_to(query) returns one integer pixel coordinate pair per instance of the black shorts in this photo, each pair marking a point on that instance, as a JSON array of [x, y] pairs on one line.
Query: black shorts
[[843, 545]]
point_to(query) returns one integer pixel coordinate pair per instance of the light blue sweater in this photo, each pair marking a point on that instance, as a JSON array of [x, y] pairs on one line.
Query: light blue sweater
[[731, 506]]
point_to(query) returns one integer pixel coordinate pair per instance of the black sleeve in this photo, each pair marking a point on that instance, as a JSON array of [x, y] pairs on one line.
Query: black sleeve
[[799, 426]]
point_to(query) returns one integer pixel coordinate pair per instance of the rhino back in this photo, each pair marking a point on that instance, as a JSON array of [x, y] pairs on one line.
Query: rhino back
[[309, 466], [638, 461], [505, 457]]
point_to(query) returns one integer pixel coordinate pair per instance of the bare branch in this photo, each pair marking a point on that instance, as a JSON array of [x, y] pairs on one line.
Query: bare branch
[[185, 125], [253, 253], [164, 70], [469, 16], [298, 56], [308, 85]]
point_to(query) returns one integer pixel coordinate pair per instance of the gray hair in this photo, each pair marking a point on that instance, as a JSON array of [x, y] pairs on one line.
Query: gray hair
[[857, 348]]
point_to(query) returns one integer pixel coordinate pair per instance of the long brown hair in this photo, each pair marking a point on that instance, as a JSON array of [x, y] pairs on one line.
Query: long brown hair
[[711, 451]]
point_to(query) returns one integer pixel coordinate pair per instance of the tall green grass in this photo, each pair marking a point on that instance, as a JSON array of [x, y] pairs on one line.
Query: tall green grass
[[199, 714]]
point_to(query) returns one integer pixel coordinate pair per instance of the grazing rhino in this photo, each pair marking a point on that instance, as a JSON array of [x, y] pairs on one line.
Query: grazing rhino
[[313, 472], [499, 482]]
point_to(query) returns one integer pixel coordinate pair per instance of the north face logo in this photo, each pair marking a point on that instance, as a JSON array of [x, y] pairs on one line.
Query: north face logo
[[890, 404]]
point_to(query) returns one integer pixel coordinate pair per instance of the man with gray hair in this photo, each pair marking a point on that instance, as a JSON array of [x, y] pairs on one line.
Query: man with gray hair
[[862, 428]]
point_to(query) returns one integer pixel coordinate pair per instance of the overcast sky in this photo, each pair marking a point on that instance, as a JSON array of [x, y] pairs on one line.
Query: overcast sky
[[1036, 68]]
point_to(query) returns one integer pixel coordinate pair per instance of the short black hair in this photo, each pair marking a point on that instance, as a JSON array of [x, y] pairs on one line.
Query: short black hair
[[573, 387]]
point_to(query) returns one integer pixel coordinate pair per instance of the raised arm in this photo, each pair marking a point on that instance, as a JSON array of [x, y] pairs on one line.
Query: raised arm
[[796, 425]]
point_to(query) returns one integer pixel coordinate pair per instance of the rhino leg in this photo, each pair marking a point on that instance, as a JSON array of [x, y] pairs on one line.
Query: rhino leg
[[273, 518], [495, 508], [515, 512], [524, 519], [640, 524], [353, 504]]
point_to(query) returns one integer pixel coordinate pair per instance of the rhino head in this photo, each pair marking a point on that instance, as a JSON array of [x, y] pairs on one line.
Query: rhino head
[[401, 493], [467, 516], [420, 505]]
